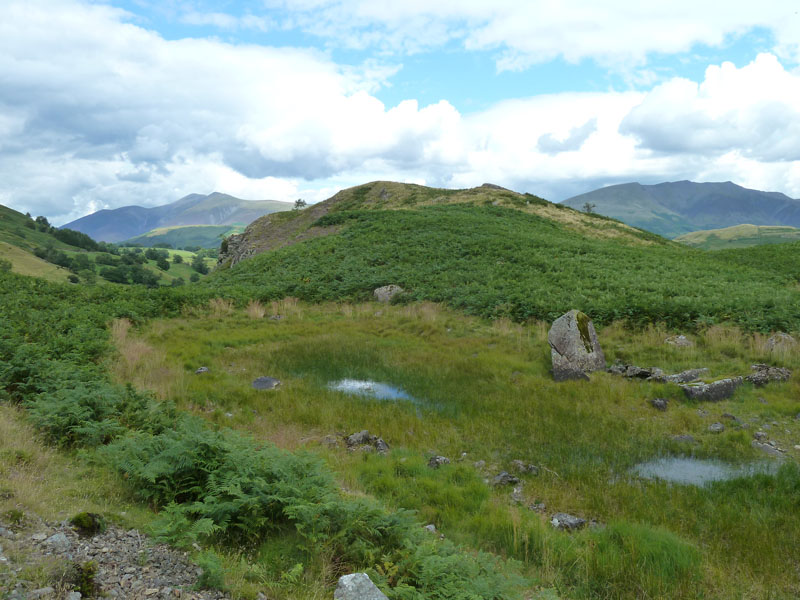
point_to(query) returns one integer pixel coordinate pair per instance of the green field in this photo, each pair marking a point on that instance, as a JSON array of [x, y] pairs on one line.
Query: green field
[[205, 236], [739, 236]]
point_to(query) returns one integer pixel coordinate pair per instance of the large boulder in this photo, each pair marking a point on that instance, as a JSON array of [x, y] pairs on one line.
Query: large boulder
[[781, 342], [763, 374], [574, 348], [357, 586], [712, 392]]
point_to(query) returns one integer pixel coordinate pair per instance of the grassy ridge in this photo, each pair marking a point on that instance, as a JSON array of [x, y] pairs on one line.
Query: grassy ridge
[[498, 262], [205, 236], [739, 236]]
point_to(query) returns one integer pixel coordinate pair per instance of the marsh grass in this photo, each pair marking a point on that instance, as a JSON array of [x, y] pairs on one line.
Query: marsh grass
[[484, 389], [255, 310]]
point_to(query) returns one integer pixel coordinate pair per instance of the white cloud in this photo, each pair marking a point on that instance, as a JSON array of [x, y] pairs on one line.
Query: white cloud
[[96, 112], [613, 32]]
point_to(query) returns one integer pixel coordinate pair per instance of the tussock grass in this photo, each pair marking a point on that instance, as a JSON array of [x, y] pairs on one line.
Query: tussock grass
[[484, 390], [255, 310]]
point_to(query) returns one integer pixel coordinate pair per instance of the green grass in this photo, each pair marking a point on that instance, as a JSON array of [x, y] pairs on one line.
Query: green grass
[[25, 263], [487, 392], [205, 236]]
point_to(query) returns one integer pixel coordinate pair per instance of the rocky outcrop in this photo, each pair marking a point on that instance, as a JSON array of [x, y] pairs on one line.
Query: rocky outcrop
[[764, 374], [655, 374], [781, 342], [364, 441], [712, 392], [574, 348], [266, 383], [567, 522]]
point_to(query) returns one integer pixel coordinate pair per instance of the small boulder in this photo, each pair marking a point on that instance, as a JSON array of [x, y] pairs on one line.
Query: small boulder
[[505, 478], [659, 403], [539, 507], [767, 449], [387, 292], [712, 392], [266, 383], [716, 427], [201, 370], [357, 586], [479, 464], [681, 341], [685, 376], [379, 444], [567, 522], [516, 494], [431, 528], [574, 348], [781, 342], [358, 439], [437, 461], [764, 374], [761, 436], [58, 542]]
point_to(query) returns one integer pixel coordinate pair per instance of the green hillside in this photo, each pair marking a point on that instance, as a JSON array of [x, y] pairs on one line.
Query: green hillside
[[498, 261], [739, 236], [181, 236]]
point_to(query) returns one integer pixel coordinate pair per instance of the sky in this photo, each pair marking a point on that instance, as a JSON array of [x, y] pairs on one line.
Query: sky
[[109, 103]]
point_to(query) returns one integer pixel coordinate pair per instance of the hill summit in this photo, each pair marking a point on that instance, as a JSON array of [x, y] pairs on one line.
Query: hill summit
[[195, 209], [674, 208]]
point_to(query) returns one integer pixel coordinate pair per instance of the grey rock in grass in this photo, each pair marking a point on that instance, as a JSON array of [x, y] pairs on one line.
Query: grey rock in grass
[[358, 439], [431, 528], [380, 445], [387, 292], [523, 467], [266, 383], [567, 522], [781, 342], [365, 441], [41, 593], [574, 348], [767, 449], [437, 461], [659, 403], [764, 374], [479, 464], [537, 507], [74, 596], [634, 372], [761, 436], [505, 478], [357, 586], [685, 376], [681, 341], [684, 438], [201, 370], [716, 428], [58, 542], [712, 392]]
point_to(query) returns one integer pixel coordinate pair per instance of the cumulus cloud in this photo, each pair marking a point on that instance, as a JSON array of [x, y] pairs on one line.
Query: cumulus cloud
[[551, 144]]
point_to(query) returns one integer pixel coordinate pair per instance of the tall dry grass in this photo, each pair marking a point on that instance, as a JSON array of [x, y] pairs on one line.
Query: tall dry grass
[[255, 310]]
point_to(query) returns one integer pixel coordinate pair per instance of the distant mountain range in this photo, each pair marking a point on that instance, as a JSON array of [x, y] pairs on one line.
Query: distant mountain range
[[195, 209], [675, 208]]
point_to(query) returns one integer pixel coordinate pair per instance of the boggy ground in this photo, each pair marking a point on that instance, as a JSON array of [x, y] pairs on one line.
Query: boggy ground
[[484, 394]]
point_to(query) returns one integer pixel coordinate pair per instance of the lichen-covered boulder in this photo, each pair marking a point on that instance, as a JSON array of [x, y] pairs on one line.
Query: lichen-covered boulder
[[387, 292], [764, 374], [357, 586], [712, 392], [781, 342], [574, 348]]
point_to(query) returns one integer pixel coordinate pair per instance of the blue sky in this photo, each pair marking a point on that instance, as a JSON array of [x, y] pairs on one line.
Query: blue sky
[[108, 103]]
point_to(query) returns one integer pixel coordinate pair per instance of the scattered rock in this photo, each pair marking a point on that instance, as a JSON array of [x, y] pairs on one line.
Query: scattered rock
[[780, 342], [574, 348], [266, 383], [516, 494], [764, 374], [537, 507], [39, 537], [357, 586], [387, 292], [74, 596], [684, 438], [685, 376], [430, 527], [716, 427], [712, 392], [505, 478], [567, 522], [41, 593], [365, 441], [276, 318], [659, 403], [681, 341], [522, 467], [201, 370], [767, 448], [437, 461], [634, 372]]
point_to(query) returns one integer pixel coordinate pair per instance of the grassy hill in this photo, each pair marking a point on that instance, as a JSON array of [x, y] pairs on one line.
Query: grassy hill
[[498, 256], [180, 236], [739, 236], [675, 208]]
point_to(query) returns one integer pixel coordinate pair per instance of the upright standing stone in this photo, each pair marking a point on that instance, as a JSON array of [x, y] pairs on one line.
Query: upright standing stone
[[574, 348]]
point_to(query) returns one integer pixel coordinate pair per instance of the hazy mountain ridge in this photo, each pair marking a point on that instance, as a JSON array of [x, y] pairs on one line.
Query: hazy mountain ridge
[[115, 225], [675, 208]]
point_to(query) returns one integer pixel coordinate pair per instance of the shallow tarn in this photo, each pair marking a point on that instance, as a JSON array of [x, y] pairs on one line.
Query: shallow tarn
[[371, 389], [696, 471]]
